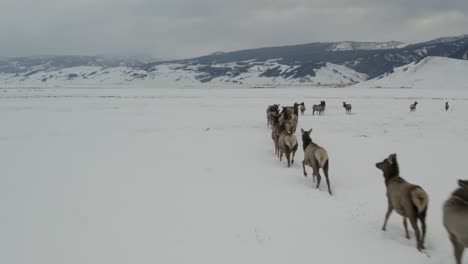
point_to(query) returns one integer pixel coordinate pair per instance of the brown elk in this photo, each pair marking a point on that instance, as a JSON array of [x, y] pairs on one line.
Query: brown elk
[[447, 106], [271, 110], [320, 108], [456, 219], [408, 200], [287, 144], [316, 157]]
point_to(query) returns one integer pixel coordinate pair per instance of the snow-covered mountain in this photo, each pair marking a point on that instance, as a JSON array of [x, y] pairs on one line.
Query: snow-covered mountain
[[314, 64], [429, 73]]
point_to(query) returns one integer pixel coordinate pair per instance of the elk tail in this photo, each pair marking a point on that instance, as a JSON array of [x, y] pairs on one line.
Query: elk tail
[[290, 141], [321, 156], [420, 199]]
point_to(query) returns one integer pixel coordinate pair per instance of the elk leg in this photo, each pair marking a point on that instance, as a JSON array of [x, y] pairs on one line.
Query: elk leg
[[293, 154], [414, 224], [387, 215], [303, 168], [288, 157], [405, 224], [317, 174], [423, 225], [325, 171], [457, 248]]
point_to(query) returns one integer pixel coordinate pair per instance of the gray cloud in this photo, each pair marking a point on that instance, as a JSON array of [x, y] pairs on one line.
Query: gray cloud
[[186, 28]]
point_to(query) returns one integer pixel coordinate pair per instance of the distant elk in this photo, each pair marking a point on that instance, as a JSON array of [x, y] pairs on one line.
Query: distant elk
[[320, 108], [408, 200], [447, 106], [456, 219], [316, 157], [347, 107], [302, 108], [413, 106]]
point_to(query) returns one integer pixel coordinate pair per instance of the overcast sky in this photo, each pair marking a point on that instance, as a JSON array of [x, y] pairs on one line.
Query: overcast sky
[[186, 28]]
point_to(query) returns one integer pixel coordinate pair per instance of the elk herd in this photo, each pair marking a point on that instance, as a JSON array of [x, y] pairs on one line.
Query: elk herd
[[408, 200]]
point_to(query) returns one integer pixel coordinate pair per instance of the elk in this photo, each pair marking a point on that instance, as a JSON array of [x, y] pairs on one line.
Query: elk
[[316, 157], [347, 107], [413, 106], [320, 108], [271, 110], [275, 133], [408, 200], [287, 144], [447, 106], [302, 108], [289, 118], [455, 219]]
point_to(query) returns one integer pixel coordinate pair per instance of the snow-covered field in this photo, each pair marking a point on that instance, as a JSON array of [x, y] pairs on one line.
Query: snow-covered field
[[190, 176]]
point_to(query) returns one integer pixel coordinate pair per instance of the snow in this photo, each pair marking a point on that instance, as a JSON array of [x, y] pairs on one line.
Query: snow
[[430, 73], [353, 45], [190, 176], [169, 75]]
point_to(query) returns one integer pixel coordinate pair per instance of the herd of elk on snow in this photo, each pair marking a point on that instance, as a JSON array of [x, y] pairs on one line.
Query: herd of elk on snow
[[408, 200]]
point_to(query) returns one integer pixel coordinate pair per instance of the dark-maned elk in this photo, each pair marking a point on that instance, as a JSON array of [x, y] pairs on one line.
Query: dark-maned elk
[[302, 108], [291, 122], [447, 106], [271, 110], [412, 107], [320, 108], [347, 107], [287, 144], [291, 109], [316, 157], [289, 118], [408, 200], [456, 219]]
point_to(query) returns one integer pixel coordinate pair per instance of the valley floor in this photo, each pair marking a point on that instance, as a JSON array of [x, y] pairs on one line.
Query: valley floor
[[190, 176]]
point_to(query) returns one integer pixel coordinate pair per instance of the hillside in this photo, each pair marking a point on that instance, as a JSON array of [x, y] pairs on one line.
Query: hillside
[[429, 73]]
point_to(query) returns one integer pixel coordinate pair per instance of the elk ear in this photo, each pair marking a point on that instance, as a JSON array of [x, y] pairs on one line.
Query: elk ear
[[310, 131], [302, 131], [463, 184]]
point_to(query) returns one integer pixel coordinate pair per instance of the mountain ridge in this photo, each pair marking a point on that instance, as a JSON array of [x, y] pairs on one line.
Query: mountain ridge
[[343, 63]]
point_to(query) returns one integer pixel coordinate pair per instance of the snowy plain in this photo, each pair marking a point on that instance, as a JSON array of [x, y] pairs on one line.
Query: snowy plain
[[190, 176]]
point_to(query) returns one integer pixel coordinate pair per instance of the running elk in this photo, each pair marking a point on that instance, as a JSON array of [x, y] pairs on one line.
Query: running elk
[[271, 110], [287, 144], [456, 219], [316, 157], [408, 200]]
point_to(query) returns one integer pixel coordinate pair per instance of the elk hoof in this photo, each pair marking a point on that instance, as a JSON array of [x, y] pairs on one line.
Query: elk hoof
[[407, 237], [292, 161]]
